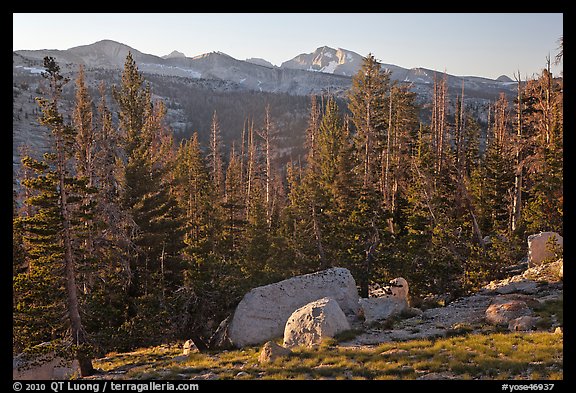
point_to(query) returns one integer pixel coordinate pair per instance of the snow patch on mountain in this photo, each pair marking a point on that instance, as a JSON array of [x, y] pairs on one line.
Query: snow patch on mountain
[[330, 67], [170, 70], [31, 70]]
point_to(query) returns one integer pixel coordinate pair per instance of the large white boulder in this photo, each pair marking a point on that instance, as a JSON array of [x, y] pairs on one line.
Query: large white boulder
[[262, 314], [309, 324], [538, 249]]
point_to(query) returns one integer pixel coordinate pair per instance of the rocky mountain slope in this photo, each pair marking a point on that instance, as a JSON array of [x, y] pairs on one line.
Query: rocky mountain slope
[[196, 86], [325, 69], [328, 60], [539, 288]]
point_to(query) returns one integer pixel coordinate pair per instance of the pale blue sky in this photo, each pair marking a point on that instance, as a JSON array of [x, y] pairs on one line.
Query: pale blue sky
[[483, 44]]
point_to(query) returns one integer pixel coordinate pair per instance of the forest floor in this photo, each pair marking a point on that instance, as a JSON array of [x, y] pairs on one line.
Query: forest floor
[[451, 342]]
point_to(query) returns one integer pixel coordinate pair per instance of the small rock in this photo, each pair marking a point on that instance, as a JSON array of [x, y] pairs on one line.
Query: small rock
[[242, 374], [394, 351], [272, 351], [207, 376], [441, 375], [189, 347], [503, 312], [523, 324]]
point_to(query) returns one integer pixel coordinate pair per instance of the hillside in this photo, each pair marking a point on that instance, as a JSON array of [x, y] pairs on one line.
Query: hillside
[[450, 342]]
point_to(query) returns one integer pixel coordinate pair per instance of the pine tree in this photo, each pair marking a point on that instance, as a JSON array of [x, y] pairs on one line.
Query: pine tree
[[84, 165], [370, 107], [267, 134], [497, 173], [312, 129], [105, 298], [195, 194], [543, 154], [215, 156], [209, 282], [59, 192], [82, 120], [38, 290], [233, 204], [146, 195]]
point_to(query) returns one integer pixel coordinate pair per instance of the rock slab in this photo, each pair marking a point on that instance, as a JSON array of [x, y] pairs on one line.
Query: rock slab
[[263, 312], [381, 308], [43, 367], [309, 324]]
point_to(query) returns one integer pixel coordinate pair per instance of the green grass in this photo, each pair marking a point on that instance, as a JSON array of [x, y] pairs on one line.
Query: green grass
[[550, 311], [521, 356]]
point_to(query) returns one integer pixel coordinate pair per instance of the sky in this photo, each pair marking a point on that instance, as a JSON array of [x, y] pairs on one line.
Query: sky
[[479, 44]]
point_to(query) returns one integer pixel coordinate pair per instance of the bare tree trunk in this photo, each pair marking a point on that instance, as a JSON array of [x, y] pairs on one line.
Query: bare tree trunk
[[216, 164], [266, 136], [517, 201], [460, 133], [547, 110], [72, 303], [312, 131], [367, 146], [442, 123], [268, 170], [438, 122], [318, 237], [250, 174], [387, 163], [421, 176], [242, 153], [370, 250]]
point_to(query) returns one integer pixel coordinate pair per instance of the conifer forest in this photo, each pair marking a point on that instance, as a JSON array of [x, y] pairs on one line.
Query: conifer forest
[[125, 237]]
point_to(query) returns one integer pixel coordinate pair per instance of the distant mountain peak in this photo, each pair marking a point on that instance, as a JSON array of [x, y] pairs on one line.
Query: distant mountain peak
[[504, 78], [104, 44], [212, 54], [109, 53], [174, 54], [328, 60], [260, 61]]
